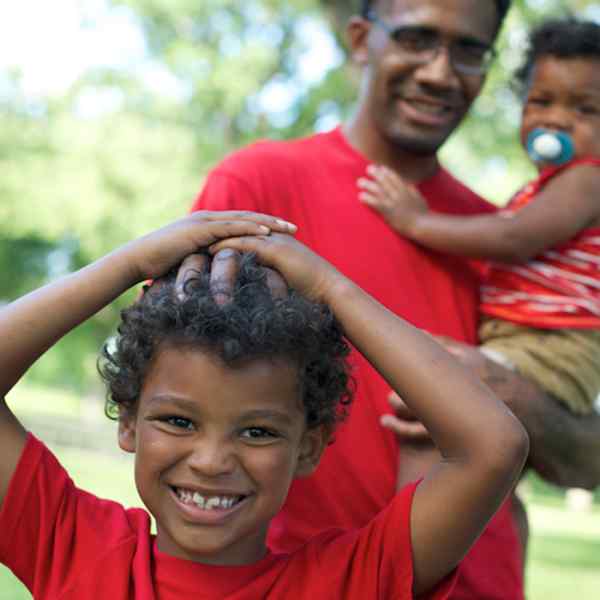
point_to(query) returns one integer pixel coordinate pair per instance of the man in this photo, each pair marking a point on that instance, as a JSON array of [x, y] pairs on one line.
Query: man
[[423, 63]]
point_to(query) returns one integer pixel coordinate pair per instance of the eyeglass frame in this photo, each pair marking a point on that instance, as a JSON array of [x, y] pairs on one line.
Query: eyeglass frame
[[392, 32]]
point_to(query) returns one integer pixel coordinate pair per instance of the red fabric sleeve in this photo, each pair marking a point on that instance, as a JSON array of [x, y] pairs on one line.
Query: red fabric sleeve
[[376, 561], [51, 531]]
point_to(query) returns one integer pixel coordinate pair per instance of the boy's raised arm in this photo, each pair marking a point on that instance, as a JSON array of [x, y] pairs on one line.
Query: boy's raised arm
[[483, 445], [31, 325]]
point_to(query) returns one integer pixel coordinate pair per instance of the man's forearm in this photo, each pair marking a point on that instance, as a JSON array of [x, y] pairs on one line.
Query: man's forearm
[[565, 449]]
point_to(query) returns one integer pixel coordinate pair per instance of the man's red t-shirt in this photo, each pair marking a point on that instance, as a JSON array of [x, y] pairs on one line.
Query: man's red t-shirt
[[312, 183], [66, 544]]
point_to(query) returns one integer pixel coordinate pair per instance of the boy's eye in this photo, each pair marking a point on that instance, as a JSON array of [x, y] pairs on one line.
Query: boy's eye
[[588, 109], [258, 434], [178, 422]]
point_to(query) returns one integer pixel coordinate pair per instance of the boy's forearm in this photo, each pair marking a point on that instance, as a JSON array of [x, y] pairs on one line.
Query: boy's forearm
[[33, 323], [422, 373]]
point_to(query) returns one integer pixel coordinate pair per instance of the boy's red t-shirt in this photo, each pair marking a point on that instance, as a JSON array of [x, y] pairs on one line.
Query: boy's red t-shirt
[[312, 182], [66, 544]]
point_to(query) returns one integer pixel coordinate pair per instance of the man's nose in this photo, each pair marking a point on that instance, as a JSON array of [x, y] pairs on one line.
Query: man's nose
[[211, 456], [439, 72]]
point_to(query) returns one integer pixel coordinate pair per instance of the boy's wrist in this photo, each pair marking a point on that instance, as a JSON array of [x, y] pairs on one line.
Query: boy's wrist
[[123, 264], [339, 291]]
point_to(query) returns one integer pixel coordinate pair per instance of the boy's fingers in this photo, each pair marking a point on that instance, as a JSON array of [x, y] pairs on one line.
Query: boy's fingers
[[273, 223], [240, 243], [223, 274], [276, 283], [192, 266]]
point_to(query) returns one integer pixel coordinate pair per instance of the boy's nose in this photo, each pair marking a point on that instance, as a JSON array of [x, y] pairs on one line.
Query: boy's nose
[[212, 457]]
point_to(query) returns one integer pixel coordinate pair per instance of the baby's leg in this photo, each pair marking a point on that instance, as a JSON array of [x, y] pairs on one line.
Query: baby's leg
[[563, 362]]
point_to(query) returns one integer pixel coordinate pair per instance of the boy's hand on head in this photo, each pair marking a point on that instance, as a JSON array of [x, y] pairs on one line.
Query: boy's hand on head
[[398, 202], [192, 266], [301, 268], [223, 267], [154, 254]]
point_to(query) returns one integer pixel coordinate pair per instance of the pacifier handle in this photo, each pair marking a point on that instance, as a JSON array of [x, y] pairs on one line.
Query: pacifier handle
[[550, 146]]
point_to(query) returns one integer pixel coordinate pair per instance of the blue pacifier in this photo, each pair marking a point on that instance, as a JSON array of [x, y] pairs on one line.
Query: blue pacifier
[[550, 147]]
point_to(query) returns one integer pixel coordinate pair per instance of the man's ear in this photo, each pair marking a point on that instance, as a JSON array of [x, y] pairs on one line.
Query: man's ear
[[126, 433], [357, 33], [314, 441]]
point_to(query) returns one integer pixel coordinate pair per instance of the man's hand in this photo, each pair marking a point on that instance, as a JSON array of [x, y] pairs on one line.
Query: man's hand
[[565, 448], [404, 423]]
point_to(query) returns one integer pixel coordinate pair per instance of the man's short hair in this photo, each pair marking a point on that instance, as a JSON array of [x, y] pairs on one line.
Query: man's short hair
[[502, 6]]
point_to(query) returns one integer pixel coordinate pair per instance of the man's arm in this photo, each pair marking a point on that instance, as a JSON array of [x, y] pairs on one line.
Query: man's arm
[[565, 449]]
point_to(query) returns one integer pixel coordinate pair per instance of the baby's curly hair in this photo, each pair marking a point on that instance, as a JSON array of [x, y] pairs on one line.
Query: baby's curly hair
[[563, 38], [254, 325]]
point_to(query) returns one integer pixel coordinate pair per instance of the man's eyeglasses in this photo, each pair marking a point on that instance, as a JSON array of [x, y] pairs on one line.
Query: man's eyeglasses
[[422, 45]]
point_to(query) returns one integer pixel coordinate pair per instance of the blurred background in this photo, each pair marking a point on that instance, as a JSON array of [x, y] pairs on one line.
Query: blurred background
[[111, 114]]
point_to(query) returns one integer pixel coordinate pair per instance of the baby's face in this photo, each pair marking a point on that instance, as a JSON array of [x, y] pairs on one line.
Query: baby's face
[[564, 95], [216, 451]]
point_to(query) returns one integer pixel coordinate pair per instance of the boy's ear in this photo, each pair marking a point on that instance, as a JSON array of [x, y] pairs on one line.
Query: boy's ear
[[127, 431], [357, 33], [314, 441]]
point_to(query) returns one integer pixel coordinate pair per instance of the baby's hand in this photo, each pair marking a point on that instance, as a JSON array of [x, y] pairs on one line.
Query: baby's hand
[[153, 255], [303, 270], [398, 202]]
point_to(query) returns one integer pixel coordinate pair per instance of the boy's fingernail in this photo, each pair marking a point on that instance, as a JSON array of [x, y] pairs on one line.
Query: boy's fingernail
[[264, 229]]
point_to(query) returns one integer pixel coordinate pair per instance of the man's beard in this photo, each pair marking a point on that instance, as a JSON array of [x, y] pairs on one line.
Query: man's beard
[[413, 145]]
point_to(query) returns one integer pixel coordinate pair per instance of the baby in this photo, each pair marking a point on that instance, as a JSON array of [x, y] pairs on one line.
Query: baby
[[541, 294]]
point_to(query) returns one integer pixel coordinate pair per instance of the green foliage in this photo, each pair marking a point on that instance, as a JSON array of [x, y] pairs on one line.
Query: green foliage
[[75, 183]]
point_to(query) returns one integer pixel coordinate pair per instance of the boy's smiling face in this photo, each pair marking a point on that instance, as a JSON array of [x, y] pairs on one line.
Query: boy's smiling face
[[216, 451]]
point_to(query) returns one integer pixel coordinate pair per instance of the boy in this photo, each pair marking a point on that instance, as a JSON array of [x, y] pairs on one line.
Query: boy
[[220, 428]]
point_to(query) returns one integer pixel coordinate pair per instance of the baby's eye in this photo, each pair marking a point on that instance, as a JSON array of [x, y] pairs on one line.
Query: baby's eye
[[258, 434], [538, 101], [588, 109]]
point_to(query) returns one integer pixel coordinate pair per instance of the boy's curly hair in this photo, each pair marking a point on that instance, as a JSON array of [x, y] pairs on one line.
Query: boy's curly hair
[[566, 38], [253, 325]]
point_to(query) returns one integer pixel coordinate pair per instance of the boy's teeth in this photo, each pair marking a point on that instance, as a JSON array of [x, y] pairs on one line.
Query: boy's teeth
[[206, 502]]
